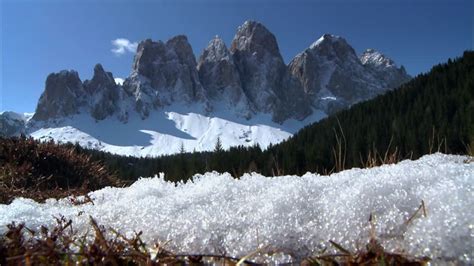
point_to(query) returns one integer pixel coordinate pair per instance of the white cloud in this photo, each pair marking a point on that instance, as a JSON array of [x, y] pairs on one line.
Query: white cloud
[[122, 45]]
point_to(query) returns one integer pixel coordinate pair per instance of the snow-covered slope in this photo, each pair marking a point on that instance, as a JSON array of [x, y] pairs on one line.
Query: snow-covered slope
[[13, 124], [299, 215], [166, 131]]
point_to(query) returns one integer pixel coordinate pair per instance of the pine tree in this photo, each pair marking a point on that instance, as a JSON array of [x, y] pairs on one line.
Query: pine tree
[[218, 147]]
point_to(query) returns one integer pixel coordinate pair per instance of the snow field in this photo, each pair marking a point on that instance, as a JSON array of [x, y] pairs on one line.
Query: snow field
[[299, 215], [166, 131]]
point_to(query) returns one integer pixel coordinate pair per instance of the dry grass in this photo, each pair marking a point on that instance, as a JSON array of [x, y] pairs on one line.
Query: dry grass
[[339, 152], [62, 246], [373, 254], [374, 158], [41, 170]]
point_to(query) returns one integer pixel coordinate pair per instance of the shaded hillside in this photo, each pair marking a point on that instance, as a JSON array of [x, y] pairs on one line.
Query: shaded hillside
[[434, 111]]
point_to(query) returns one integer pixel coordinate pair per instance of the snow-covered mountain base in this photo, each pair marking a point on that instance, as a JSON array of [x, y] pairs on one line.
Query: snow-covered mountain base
[[169, 130], [216, 213]]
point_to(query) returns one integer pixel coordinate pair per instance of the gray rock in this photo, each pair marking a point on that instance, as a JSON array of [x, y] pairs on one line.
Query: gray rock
[[334, 77], [102, 93], [264, 76], [162, 74], [63, 96], [384, 68], [220, 78]]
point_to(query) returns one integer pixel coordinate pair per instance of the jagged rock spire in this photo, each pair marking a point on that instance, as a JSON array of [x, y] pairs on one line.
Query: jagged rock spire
[[63, 96], [164, 73], [264, 75]]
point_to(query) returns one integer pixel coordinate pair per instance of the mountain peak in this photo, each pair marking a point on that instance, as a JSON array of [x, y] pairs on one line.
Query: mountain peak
[[98, 69], [329, 40], [254, 25], [264, 76], [220, 77], [103, 93], [255, 37], [335, 77], [384, 68], [180, 45], [63, 96], [100, 75], [178, 39], [163, 73], [146, 44], [65, 73], [217, 40], [215, 50], [376, 58]]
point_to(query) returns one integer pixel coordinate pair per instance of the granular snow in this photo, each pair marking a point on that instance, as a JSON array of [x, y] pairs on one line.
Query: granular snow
[[215, 213]]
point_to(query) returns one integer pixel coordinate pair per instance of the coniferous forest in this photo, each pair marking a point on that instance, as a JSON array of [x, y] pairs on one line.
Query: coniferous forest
[[433, 112]]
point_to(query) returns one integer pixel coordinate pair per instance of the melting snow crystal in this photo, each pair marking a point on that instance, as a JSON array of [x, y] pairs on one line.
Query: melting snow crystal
[[299, 215]]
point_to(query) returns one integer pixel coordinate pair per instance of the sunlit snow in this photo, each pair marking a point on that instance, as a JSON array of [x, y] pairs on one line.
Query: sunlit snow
[[167, 131], [216, 213]]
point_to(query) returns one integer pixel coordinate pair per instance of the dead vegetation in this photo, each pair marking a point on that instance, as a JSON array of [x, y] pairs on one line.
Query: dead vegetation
[[61, 245], [373, 254], [41, 170]]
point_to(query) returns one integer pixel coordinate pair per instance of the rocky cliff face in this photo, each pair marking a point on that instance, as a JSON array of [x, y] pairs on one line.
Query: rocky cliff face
[[64, 94], [219, 76], [334, 77], [264, 76], [103, 94], [384, 69], [162, 74], [249, 78]]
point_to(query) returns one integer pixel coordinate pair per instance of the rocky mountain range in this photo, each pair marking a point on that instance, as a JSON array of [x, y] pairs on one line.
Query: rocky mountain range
[[251, 77], [247, 79]]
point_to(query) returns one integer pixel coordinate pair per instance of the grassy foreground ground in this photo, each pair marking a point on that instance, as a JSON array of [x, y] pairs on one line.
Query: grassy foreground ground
[[25, 172], [60, 246]]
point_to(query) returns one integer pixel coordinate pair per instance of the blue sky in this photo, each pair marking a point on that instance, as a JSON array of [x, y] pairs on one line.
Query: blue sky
[[39, 37]]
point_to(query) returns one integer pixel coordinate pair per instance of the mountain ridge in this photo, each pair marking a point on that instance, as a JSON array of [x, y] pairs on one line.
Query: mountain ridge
[[245, 82], [164, 73]]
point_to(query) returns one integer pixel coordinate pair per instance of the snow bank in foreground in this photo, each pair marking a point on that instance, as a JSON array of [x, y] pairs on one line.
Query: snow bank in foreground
[[216, 213]]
